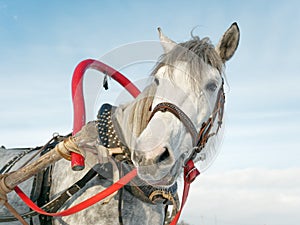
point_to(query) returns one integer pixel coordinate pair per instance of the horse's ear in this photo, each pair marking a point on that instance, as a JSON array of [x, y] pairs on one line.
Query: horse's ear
[[229, 42], [166, 42]]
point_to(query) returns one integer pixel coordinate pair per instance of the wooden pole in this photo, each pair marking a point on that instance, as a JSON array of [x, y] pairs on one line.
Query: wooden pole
[[15, 178], [9, 181]]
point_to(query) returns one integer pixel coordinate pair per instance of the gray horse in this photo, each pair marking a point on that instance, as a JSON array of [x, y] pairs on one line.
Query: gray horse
[[189, 76]]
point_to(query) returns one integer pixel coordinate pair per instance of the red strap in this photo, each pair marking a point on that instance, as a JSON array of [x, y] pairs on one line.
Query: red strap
[[77, 161], [83, 205], [190, 174]]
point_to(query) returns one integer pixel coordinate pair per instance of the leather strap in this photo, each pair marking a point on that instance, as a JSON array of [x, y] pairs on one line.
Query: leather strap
[[56, 203]]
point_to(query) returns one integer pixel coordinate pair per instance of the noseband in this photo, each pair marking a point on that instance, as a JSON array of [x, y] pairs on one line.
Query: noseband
[[199, 139]]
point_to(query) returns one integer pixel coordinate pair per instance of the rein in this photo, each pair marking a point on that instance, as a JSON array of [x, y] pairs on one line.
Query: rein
[[83, 205], [77, 161]]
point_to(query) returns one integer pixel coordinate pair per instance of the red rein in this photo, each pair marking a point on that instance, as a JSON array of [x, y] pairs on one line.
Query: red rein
[[77, 161], [82, 205]]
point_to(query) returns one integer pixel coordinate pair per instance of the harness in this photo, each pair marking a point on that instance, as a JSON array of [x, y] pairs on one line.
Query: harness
[[109, 137], [122, 155]]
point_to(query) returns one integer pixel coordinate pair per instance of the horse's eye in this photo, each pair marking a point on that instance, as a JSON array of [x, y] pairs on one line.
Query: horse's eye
[[211, 87]]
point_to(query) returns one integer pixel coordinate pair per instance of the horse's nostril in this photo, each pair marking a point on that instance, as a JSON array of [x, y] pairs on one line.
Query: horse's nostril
[[165, 155]]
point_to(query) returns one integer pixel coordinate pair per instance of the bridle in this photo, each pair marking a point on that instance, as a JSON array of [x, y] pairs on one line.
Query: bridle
[[199, 139]]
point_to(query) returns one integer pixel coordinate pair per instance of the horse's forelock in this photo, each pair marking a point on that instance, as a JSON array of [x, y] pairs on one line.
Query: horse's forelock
[[138, 120], [197, 52], [205, 50]]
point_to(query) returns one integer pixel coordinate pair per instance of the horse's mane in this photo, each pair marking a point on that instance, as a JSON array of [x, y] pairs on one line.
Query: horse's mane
[[197, 52]]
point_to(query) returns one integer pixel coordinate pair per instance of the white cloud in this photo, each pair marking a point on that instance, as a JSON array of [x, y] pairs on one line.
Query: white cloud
[[247, 196], [29, 136]]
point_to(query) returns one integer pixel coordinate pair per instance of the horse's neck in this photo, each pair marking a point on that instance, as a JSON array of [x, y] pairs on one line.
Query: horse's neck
[[133, 117]]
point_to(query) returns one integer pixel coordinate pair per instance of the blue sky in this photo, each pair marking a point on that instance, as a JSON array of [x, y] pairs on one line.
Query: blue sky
[[41, 43]]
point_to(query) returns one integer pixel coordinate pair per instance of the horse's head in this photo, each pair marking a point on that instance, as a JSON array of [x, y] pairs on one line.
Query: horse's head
[[188, 75]]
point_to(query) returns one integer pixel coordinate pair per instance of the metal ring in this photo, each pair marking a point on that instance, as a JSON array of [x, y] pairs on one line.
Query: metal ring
[[188, 174]]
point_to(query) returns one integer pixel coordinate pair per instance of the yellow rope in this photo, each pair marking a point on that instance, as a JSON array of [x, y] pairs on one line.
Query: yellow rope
[[66, 147]]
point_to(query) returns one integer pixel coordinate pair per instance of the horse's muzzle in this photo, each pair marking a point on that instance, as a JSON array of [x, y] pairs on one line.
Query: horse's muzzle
[[155, 164]]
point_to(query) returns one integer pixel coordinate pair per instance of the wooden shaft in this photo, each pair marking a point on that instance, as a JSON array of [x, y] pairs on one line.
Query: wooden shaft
[[15, 178]]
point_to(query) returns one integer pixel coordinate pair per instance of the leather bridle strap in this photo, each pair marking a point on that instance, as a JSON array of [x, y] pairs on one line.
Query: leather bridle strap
[[204, 133]]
